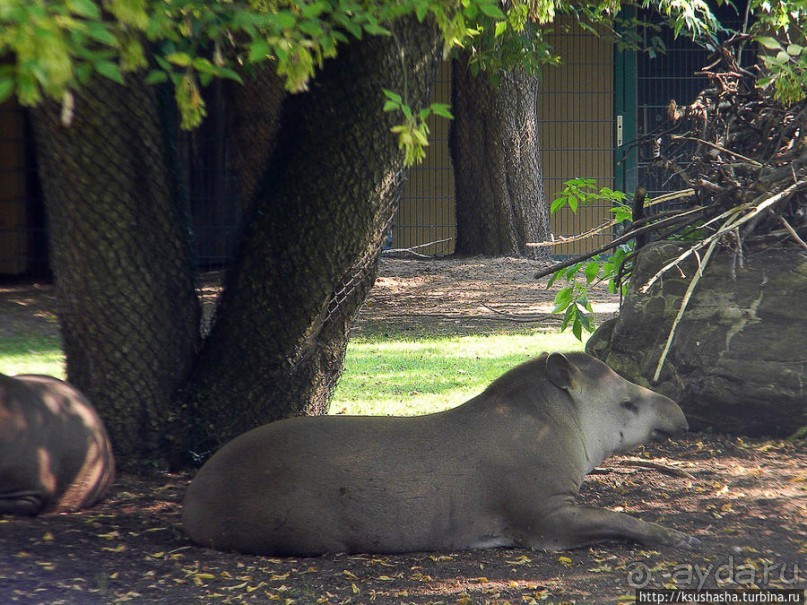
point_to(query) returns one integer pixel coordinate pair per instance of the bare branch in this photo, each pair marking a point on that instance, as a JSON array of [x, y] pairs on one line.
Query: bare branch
[[418, 247], [626, 237], [793, 233], [684, 302], [734, 221]]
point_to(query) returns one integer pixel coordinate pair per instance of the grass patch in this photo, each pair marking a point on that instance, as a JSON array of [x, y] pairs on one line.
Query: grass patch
[[403, 377], [35, 355], [383, 375]]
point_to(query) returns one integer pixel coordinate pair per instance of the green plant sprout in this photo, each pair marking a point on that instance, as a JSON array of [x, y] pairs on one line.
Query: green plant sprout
[[573, 299]]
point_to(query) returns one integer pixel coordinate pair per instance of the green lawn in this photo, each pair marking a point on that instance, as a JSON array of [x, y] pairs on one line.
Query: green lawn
[[383, 374], [396, 376], [36, 355]]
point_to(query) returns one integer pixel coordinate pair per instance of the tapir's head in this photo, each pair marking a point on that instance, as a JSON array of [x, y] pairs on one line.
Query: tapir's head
[[615, 414]]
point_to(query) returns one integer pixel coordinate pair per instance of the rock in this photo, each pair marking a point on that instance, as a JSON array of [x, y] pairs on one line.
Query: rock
[[738, 361]]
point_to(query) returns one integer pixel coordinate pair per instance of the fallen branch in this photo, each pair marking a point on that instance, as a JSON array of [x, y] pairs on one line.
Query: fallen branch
[[559, 240], [522, 318], [643, 464], [413, 248], [657, 466]]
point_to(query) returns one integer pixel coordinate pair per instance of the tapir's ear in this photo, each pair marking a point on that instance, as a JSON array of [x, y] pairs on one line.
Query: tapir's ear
[[563, 373]]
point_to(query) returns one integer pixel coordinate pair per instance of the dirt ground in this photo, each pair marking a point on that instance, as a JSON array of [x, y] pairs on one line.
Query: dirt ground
[[745, 499]]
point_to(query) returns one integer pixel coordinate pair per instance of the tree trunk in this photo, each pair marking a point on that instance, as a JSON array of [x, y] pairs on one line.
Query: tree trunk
[[311, 247], [493, 142], [254, 118], [119, 250]]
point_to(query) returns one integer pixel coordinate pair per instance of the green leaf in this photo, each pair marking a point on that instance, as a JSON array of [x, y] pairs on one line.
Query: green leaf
[[109, 70], [558, 203], [586, 322], [203, 65], [420, 138], [592, 271], [314, 30], [501, 27], [622, 212], [374, 29], [570, 316], [258, 51], [165, 65], [571, 272], [562, 299], [441, 109], [6, 89], [156, 77], [794, 50], [577, 327], [769, 43], [492, 11], [229, 74], [313, 11], [284, 20], [181, 59], [421, 10], [84, 8], [393, 96], [99, 33]]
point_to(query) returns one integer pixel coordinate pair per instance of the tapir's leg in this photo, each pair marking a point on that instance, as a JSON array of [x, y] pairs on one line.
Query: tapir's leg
[[22, 503], [574, 526]]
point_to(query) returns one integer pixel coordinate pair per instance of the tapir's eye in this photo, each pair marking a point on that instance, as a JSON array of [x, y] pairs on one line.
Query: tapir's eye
[[629, 405]]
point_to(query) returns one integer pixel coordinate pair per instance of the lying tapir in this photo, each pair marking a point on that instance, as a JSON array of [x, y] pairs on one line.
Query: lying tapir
[[503, 469], [55, 455]]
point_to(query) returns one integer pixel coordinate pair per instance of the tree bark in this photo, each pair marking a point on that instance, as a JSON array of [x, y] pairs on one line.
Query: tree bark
[[254, 118], [493, 142], [311, 247], [120, 253]]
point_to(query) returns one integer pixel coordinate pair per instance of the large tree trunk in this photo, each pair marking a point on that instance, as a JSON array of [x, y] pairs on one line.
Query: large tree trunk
[[253, 118], [119, 250], [312, 244], [493, 142]]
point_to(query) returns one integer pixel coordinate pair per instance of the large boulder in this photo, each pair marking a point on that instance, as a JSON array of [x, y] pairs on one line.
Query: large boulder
[[738, 361]]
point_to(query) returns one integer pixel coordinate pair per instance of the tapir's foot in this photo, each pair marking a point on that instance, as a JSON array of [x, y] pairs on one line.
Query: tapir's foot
[[22, 503]]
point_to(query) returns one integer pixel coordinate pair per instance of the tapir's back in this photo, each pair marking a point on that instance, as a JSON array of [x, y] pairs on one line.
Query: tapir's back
[[62, 457], [348, 484]]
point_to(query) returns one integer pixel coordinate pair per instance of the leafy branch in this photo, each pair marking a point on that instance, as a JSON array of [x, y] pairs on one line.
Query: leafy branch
[[413, 133], [583, 274]]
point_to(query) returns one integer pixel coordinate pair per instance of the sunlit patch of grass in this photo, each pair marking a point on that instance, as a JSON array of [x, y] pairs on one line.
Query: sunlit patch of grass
[[35, 355], [396, 376], [393, 374]]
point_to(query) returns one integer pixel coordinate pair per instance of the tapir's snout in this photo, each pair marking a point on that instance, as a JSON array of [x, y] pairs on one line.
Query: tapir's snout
[[671, 419]]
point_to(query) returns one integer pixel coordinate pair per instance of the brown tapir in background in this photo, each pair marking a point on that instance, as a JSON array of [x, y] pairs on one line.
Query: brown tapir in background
[[503, 469], [55, 455]]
